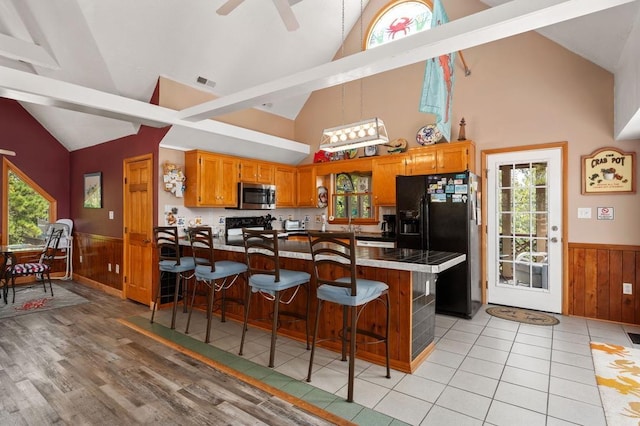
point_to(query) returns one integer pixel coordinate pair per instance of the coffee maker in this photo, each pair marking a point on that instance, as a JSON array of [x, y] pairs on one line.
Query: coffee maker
[[388, 225]]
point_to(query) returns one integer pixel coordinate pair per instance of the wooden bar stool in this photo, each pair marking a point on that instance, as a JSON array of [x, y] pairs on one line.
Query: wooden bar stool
[[217, 276], [170, 261], [269, 280], [333, 254]]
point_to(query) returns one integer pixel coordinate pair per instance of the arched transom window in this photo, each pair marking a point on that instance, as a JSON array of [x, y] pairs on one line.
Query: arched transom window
[[399, 19]]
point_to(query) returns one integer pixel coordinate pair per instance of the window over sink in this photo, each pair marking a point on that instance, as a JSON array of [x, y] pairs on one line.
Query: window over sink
[[351, 198]]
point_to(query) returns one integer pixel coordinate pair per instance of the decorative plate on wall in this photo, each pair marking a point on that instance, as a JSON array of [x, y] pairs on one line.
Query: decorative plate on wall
[[428, 135], [371, 150]]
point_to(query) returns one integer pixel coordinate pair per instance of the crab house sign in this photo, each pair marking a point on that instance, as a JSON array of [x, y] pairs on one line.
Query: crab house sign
[[608, 170]]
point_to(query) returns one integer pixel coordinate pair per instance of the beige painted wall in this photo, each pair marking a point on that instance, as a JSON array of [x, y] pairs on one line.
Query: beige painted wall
[[522, 90], [178, 96]]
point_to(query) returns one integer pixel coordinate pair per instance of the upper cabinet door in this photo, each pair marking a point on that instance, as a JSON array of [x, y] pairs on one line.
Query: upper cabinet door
[[307, 187], [252, 171], [285, 179], [456, 157], [384, 172], [212, 180]]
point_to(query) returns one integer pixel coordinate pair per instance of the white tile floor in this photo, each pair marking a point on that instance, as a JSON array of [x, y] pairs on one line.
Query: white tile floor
[[484, 371]]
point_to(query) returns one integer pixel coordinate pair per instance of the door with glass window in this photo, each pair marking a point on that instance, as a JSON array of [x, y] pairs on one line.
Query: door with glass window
[[524, 249]]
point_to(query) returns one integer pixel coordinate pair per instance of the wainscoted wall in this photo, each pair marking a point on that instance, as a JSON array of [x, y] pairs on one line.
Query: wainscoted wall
[[596, 274], [97, 252]]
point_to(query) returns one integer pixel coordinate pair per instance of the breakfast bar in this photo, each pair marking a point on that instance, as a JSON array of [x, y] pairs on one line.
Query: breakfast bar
[[411, 276]]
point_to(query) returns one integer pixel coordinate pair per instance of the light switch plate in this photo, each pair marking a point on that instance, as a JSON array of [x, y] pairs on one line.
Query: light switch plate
[[584, 213], [627, 288]]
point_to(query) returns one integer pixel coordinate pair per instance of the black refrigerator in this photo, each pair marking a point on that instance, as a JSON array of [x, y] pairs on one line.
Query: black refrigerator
[[441, 212]]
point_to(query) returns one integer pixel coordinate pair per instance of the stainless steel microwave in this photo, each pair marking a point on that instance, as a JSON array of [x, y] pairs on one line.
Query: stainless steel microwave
[[255, 196]]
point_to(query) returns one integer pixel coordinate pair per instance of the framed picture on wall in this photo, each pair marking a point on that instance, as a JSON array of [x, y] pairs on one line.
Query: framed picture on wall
[[93, 190], [607, 171]]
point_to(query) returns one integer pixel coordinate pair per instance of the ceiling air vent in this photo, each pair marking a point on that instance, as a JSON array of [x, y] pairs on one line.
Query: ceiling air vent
[[206, 82]]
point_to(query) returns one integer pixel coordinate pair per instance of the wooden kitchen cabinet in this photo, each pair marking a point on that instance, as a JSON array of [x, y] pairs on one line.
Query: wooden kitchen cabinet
[[384, 172], [306, 187], [285, 180], [442, 158], [456, 157], [253, 171], [212, 180]]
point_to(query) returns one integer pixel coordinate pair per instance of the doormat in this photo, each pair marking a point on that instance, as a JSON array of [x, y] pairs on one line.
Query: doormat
[[522, 315], [32, 298], [618, 377], [635, 338]]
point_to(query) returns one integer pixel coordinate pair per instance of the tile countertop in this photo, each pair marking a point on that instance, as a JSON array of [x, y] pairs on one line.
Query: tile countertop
[[430, 261], [367, 236]]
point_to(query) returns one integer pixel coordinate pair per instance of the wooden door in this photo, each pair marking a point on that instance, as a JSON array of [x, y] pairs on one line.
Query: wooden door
[[138, 228]]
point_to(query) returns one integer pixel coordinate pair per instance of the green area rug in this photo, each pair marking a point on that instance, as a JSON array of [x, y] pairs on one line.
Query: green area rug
[[32, 298]]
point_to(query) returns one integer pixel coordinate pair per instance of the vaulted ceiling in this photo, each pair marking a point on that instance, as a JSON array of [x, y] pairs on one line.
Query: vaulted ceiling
[[85, 69]]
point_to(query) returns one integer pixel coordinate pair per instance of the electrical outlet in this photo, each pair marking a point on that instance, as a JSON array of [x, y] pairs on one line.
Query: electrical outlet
[[80, 258], [117, 268], [627, 288], [584, 213], [109, 267]]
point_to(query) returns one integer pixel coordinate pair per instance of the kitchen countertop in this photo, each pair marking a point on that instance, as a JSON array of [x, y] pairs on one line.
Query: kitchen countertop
[[430, 261], [366, 236]]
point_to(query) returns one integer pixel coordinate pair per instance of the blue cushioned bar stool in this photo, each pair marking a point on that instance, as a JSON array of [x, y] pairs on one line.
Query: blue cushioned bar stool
[[170, 261], [269, 280], [217, 276], [334, 254]]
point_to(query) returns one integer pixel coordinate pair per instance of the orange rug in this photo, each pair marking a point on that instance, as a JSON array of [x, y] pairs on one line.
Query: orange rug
[[618, 377]]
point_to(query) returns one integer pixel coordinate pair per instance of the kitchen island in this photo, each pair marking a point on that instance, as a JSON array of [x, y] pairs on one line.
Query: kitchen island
[[410, 274]]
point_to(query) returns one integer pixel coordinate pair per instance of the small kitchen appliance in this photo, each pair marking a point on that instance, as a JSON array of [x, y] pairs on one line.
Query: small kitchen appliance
[[293, 225], [388, 226]]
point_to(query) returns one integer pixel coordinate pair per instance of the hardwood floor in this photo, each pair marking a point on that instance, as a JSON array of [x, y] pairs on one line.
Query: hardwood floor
[[79, 366]]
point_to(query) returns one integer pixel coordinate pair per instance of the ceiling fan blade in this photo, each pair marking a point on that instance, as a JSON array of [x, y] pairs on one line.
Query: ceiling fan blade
[[228, 7], [7, 152], [286, 14]]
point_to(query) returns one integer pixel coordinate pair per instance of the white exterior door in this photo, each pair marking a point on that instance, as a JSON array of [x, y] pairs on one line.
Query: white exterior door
[[524, 229]]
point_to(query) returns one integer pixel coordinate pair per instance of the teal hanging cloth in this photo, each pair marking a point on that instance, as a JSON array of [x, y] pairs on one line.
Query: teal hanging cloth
[[437, 88]]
